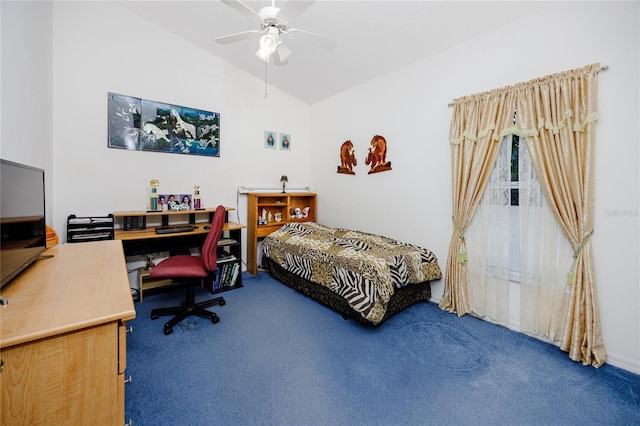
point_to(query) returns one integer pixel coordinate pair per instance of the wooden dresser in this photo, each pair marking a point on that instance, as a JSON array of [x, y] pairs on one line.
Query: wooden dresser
[[63, 340]]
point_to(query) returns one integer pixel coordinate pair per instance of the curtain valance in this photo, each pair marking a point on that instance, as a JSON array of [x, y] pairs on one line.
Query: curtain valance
[[557, 89]]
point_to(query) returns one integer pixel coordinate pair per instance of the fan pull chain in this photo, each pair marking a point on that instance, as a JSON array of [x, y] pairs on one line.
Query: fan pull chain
[[266, 95]]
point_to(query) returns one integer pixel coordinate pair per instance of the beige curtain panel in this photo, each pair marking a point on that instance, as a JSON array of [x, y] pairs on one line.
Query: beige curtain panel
[[556, 114], [478, 126]]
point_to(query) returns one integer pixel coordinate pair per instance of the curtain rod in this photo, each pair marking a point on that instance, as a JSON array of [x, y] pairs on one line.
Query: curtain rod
[[602, 68]]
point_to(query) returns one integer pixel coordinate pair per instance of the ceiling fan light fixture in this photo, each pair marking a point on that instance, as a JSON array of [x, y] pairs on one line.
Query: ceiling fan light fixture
[[284, 52], [268, 43], [263, 55]]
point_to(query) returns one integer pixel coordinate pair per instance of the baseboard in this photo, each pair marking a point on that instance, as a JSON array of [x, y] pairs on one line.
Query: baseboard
[[623, 362]]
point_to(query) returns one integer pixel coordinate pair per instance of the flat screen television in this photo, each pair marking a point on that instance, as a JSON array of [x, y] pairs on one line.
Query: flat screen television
[[22, 218]]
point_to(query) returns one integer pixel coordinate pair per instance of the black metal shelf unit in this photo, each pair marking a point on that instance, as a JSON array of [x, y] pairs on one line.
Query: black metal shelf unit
[[89, 228]]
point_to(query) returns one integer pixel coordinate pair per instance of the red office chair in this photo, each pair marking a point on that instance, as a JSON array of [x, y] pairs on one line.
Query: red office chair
[[192, 269]]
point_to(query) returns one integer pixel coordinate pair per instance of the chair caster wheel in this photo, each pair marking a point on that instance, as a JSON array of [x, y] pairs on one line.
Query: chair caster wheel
[[215, 320], [222, 302], [168, 330], [154, 316]]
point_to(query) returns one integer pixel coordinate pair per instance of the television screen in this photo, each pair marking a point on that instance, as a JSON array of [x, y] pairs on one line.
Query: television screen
[[22, 218]]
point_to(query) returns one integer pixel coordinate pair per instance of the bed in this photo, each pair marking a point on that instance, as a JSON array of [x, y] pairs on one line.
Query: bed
[[363, 276]]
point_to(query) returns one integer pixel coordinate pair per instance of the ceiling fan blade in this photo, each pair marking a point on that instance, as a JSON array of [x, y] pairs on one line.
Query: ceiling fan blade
[[293, 8], [244, 9], [232, 38], [316, 39], [281, 55]]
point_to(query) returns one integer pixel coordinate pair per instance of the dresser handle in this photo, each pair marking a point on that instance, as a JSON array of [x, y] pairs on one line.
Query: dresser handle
[[128, 380], [129, 423], [129, 330]]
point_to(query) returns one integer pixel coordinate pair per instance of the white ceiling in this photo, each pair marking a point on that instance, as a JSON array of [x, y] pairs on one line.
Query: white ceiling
[[374, 37]]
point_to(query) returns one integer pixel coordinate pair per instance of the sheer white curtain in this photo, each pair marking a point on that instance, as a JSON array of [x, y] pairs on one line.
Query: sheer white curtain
[[545, 253], [546, 257], [488, 239]]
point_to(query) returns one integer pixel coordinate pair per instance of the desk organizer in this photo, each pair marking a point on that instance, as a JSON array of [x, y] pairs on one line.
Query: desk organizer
[[89, 228]]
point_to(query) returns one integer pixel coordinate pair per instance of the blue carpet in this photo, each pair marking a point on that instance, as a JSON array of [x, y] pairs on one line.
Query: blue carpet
[[279, 358]]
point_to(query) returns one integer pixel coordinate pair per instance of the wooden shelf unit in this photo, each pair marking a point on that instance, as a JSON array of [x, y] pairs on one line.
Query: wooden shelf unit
[[282, 203]]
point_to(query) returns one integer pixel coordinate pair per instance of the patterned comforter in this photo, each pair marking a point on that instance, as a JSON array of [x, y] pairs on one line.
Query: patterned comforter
[[362, 268]]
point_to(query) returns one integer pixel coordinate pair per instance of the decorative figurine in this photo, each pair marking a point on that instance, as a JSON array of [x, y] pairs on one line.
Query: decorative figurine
[[196, 197], [278, 217], [297, 213], [153, 205], [150, 265], [262, 220], [377, 157], [347, 158], [305, 212]]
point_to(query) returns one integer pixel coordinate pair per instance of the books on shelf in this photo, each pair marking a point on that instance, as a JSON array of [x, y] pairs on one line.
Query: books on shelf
[[226, 273], [225, 257]]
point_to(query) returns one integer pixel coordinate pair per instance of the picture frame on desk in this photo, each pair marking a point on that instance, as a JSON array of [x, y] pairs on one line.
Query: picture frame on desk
[[175, 203]]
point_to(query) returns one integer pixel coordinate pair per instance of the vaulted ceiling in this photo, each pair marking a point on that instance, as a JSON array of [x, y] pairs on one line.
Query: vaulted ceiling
[[374, 38]]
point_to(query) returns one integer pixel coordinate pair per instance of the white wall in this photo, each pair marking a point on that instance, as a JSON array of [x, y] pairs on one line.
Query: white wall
[[26, 87], [101, 47], [413, 201]]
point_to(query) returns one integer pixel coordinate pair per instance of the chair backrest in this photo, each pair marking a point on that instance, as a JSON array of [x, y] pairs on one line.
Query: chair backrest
[[210, 246]]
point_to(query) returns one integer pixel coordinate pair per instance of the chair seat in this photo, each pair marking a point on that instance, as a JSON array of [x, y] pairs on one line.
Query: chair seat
[[181, 266]]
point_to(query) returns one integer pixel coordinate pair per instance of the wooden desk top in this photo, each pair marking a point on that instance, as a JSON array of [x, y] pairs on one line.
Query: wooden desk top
[[83, 285], [144, 234]]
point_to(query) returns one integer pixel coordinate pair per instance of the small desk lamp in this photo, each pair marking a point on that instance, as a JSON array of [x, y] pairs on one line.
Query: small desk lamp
[[284, 180]]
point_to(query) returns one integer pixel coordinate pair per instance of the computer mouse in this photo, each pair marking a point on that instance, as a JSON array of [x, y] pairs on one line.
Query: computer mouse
[[206, 227]]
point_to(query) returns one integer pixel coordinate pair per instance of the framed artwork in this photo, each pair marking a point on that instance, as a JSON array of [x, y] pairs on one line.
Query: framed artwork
[[156, 129], [284, 141], [140, 124], [270, 139], [124, 122]]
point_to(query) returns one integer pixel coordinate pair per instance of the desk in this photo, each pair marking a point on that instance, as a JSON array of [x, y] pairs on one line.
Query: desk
[[63, 341], [145, 241]]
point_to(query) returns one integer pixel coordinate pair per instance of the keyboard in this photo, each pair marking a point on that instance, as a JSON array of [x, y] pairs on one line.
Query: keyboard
[[174, 229]]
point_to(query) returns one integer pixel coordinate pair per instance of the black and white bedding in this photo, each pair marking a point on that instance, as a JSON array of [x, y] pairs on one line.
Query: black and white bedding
[[366, 271]]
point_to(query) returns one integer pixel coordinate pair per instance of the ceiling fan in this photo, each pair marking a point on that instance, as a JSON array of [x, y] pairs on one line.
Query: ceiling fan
[[274, 26]]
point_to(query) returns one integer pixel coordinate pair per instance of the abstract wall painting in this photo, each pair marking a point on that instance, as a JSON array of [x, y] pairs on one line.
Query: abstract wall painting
[[144, 125]]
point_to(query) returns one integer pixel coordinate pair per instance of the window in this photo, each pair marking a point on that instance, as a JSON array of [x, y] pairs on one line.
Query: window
[[515, 145], [514, 258]]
